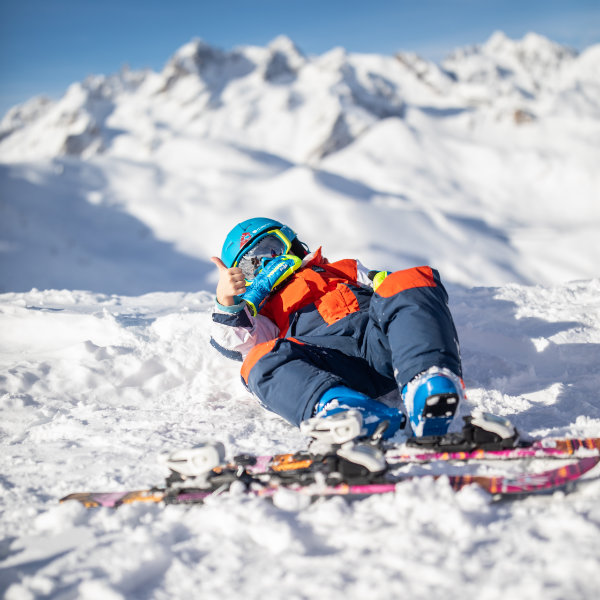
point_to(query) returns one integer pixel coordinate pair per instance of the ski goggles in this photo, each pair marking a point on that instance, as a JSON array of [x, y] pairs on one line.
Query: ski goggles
[[265, 248]]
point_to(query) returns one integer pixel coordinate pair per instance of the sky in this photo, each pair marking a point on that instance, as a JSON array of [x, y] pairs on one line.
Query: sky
[[45, 45]]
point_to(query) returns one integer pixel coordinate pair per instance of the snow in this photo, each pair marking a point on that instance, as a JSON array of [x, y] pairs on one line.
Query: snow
[[114, 198]]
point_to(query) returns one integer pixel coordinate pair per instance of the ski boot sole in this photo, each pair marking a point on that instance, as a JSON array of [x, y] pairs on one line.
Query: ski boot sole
[[438, 413]]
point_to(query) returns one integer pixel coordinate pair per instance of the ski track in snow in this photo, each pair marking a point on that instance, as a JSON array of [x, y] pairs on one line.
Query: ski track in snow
[[485, 168]]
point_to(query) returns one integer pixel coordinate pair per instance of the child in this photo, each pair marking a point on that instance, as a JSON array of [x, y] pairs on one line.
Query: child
[[319, 339]]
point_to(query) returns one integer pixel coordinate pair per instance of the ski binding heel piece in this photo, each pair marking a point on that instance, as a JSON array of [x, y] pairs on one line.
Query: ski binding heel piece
[[334, 429], [364, 455], [482, 431], [197, 461], [493, 425]]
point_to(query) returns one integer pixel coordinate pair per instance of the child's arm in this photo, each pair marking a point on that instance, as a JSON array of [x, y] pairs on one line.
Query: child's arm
[[234, 330]]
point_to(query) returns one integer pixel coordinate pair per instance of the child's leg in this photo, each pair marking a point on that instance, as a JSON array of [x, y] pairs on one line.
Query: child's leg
[[289, 376], [412, 331]]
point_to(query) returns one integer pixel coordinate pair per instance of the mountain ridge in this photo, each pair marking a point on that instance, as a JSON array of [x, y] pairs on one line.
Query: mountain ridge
[[321, 104]]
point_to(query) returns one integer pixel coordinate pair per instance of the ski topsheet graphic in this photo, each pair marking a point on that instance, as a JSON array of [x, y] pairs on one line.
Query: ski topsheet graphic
[[547, 448]]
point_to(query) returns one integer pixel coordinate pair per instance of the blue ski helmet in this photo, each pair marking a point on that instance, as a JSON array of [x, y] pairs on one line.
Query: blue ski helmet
[[248, 233]]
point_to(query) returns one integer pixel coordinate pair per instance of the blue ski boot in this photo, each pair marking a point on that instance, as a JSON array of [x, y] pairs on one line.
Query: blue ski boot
[[343, 414], [431, 400]]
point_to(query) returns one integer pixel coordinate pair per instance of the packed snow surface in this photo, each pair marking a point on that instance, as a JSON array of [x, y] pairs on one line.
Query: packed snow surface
[[114, 197]]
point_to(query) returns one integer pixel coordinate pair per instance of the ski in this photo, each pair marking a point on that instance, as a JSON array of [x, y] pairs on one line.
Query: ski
[[544, 448], [483, 437], [315, 483], [114, 499], [518, 485], [339, 464]]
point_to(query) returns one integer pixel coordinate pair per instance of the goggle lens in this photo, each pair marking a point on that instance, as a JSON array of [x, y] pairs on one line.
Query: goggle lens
[[252, 261]]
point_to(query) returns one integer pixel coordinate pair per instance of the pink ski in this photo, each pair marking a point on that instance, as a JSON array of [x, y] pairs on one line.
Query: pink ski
[[500, 485], [546, 448]]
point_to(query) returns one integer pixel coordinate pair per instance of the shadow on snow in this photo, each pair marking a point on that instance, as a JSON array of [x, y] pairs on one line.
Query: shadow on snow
[[53, 237], [516, 357]]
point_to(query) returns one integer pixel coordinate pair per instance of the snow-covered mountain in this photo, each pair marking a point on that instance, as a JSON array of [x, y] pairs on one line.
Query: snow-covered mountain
[[277, 100], [491, 156]]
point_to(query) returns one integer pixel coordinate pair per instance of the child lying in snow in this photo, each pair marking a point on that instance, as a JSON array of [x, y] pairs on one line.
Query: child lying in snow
[[320, 339]]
